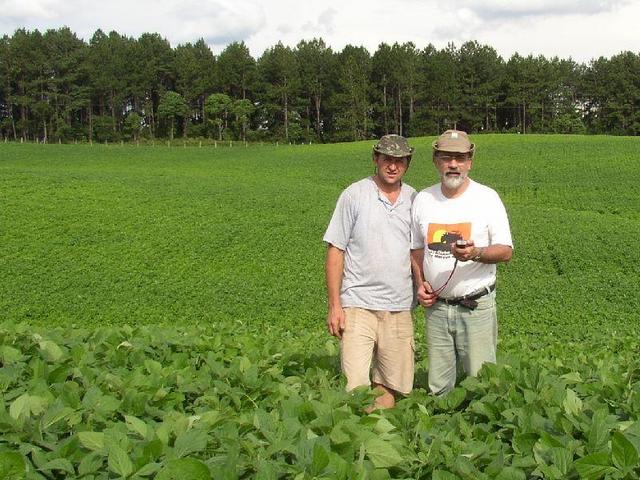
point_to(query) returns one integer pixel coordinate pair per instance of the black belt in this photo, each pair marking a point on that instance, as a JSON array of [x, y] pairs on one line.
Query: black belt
[[468, 301]]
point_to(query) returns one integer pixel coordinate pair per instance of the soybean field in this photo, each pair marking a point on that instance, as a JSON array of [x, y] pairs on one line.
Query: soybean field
[[162, 315]]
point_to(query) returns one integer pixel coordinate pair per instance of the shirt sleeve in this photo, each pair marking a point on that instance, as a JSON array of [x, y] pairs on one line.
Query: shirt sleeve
[[417, 236], [499, 231], [339, 230]]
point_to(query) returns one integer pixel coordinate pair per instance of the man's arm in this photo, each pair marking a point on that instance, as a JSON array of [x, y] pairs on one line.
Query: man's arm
[[424, 291], [417, 260], [334, 267], [491, 254]]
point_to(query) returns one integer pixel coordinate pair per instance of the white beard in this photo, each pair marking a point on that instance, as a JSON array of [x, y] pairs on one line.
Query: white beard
[[453, 183]]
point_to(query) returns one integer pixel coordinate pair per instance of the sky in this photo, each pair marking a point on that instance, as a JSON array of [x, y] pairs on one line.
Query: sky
[[579, 29]]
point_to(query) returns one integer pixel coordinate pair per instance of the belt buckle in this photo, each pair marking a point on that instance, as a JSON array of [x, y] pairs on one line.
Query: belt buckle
[[468, 303]]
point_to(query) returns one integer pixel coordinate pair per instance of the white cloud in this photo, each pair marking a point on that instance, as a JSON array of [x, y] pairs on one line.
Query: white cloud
[[28, 9], [327, 18], [323, 25], [582, 29], [581, 38], [492, 9], [217, 22]]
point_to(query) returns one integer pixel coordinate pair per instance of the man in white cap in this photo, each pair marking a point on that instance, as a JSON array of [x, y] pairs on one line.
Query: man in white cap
[[460, 231], [368, 275]]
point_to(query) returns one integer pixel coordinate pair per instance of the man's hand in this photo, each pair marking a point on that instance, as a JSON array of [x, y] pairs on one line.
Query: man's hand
[[425, 294], [335, 321], [464, 254]]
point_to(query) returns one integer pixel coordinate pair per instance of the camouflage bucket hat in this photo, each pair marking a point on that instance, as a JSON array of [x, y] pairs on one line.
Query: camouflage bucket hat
[[454, 141], [394, 146]]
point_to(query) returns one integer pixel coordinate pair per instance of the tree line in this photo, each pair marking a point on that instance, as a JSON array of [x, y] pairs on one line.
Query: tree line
[[57, 87]]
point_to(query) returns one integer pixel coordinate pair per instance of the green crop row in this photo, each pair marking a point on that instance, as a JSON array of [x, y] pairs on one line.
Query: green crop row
[[143, 402]]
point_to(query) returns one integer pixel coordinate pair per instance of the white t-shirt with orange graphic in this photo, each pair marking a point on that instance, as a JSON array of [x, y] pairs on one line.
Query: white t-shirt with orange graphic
[[438, 221]]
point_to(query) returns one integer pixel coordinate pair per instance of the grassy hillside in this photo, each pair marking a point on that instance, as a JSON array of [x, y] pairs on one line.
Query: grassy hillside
[[200, 235], [162, 310]]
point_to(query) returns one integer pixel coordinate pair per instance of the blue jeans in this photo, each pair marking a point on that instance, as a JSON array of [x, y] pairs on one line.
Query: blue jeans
[[456, 336]]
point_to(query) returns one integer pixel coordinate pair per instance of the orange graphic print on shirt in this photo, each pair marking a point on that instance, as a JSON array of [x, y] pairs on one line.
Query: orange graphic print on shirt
[[440, 236]]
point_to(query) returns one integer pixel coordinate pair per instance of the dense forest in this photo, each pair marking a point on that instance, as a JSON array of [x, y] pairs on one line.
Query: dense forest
[[55, 87]]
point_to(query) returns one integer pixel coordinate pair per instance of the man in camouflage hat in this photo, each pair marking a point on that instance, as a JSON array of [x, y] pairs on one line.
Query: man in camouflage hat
[[368, 275], [460, 230]]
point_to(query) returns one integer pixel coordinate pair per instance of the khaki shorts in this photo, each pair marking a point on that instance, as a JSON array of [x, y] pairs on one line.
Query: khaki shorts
[[381, 343]]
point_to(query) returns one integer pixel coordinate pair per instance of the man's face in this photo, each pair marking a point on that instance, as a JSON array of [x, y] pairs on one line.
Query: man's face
[[453, 168], [390, 169]]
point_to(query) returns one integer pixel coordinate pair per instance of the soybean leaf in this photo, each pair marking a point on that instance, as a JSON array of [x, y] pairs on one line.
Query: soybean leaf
[[623, 452], [152, 450], [54, 414], [511, 473], [338, 435], [211, 418], [380, 474], [465, 467], [338, 467], [19, 407], [320, 459], [148, 469], [136, 425], [484, 409], [562, 459], [523, 442], [572, 377], [12, 466], [598, 435], [444, 475], [92, 440], [383, 426], [51, 351], [191, 441], [90, 463], [548, 441], [525, 461], [101, 404], [496, 465], [61, 464], [382, 454], [265, 470], [594, 466], [119, 462], [184, 469], [153, 367], [453, 399], [26, 405], [572, 403], [551, 472], [9, 355], [163, 432]]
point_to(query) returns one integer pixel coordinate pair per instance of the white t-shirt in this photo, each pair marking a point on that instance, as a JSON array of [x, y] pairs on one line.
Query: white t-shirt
[[376, 238], [438, 221]]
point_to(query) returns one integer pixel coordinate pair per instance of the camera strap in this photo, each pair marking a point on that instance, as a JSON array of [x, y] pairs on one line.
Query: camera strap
[[440, 289]]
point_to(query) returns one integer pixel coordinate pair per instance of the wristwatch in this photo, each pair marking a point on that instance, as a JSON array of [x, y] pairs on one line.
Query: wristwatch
[[478, 256]]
